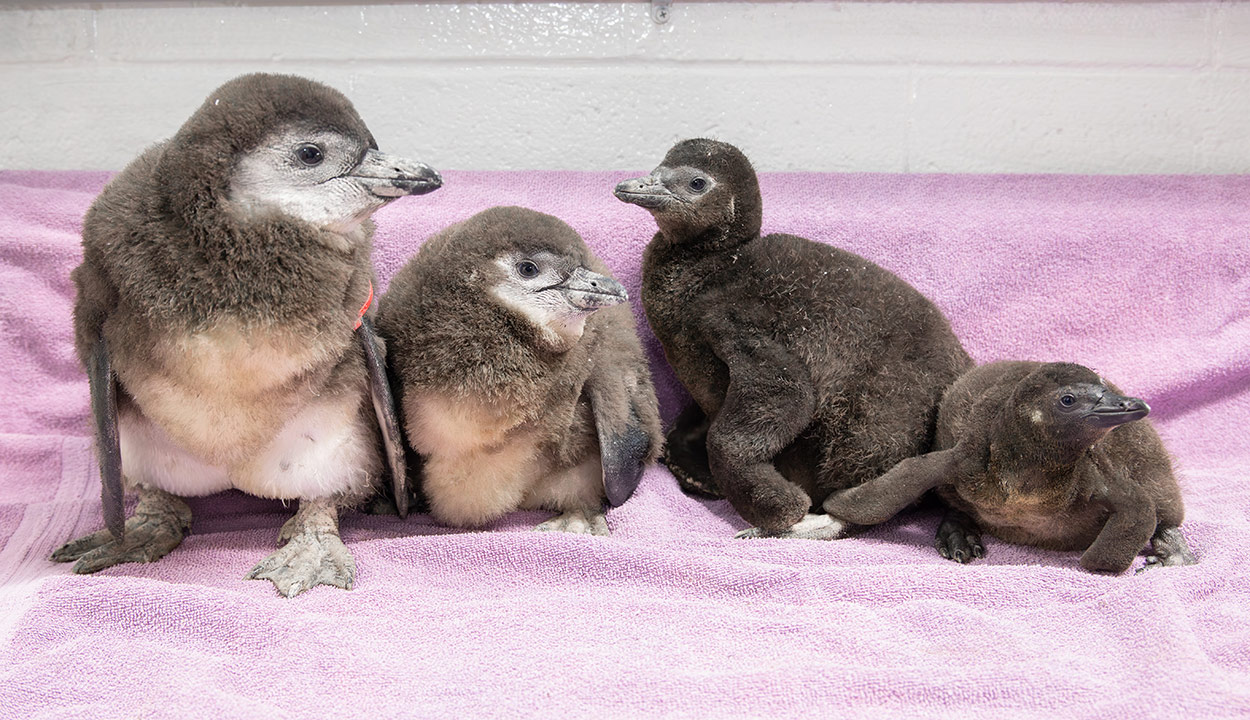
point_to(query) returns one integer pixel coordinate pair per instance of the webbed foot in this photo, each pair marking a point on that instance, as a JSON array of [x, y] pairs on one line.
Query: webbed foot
[[690, 480], [959, 538], [685, 453], [158, 525], [811, 527], [1170, 549], [577, 521], [313, 554]]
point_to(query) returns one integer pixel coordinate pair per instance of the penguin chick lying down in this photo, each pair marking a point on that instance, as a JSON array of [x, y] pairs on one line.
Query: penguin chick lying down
[[1039, 454], [519, 375], [222, 318]]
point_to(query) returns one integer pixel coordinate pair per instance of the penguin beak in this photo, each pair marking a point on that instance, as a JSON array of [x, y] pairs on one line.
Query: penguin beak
[[648, 192], [389, 176], [586, 290], [1112, 410]]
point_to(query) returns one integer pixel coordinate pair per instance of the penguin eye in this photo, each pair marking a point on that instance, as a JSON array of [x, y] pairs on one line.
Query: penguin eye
[[309, 154], [698, 184], [527, 269], [1067, 400]]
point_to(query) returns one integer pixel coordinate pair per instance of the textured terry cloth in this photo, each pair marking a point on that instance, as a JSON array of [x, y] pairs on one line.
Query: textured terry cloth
[[1146, 279]]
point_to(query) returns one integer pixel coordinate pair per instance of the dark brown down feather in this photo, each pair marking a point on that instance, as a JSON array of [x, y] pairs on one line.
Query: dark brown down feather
[[1011, 461], [818, 369], [446, 334]]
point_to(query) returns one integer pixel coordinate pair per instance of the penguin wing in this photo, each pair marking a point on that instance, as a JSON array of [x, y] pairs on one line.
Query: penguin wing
[[625, 443], [103, 383], [94, 299], [384, 407], [883, 497]]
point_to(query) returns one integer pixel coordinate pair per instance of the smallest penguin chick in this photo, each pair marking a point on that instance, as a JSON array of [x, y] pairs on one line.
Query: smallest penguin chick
[[519, 374], [1039, 454]]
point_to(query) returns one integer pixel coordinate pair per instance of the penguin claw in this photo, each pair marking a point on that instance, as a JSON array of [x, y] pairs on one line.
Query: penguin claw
[[959, 546], [1158, 560], [974, 542]]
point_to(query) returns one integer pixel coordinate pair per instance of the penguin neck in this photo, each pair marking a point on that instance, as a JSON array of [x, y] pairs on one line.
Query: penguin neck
[[528, 343], [1021, 449], [514, 366], [265, 271], [685, 247]]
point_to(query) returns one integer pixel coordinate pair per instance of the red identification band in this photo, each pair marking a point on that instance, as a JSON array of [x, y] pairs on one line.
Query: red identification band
[[360, 316]]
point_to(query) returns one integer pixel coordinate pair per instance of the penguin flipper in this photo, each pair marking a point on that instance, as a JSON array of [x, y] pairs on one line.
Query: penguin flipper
[[384, 408], [103, 384], [624, 443], [881, 498]]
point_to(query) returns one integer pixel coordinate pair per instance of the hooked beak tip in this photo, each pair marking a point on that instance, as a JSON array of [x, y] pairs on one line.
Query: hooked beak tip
[[1114, 414], [643, 193]]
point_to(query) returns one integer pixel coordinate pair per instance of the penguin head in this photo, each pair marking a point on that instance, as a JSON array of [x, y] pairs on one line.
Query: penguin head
[[532, 267], [553, 292], [1070, 404], [702, 185], [272, 147]]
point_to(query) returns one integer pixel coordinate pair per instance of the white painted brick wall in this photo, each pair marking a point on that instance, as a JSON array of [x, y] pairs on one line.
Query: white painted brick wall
[[862, 86]]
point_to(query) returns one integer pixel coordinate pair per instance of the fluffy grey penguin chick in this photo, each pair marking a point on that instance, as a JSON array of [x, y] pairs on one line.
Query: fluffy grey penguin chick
[[224, 274], [519, 374], [1039, 454], [813, 369]]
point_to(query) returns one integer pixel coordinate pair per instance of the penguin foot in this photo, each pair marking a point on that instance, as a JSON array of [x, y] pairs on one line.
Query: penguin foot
[[1170, 550], [577, 521], [1154, 561], [692, 483], [313, 553], [959, 543], [306, 561], [160, 522], [811, 527]]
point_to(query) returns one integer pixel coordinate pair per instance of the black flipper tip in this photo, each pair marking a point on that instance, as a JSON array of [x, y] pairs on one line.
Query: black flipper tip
[[622, 456]]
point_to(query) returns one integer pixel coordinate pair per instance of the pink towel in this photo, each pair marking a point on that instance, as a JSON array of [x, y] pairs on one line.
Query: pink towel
[[1145, 279]]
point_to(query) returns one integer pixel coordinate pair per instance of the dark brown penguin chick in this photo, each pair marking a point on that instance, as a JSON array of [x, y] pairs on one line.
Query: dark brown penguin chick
[[814, 369], [518, 372], [1039, 454], [224, 274]]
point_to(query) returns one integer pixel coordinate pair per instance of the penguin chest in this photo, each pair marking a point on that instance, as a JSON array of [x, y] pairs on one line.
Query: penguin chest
[[1046, 516], [223, 393], [325, 449], [670, 315], [480, 460]]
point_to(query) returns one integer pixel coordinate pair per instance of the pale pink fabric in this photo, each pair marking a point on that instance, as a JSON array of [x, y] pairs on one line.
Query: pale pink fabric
[[1146, 279]]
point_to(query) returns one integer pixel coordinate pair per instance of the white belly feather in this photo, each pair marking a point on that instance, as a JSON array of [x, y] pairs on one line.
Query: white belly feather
[[223, 409]]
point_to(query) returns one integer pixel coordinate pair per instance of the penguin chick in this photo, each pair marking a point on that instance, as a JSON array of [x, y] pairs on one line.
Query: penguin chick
[[813, 369], [520, 377], [225, 273], [1039, 454]]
